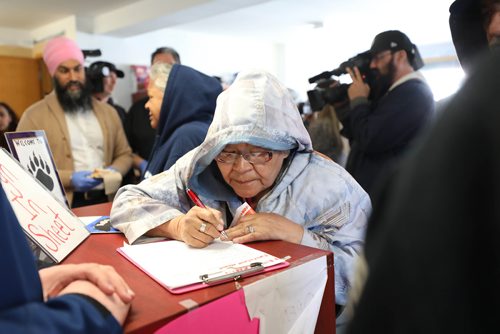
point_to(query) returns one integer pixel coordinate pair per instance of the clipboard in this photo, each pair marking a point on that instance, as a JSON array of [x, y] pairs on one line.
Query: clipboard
[[246, 262]]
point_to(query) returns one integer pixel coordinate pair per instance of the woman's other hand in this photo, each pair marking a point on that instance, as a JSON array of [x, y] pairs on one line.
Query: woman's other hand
[[264, 226]]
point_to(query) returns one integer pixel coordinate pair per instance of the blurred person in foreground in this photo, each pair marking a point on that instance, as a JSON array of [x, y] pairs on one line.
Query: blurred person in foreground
[[432, 243], [66, 298], [431, 248], [475, 28], [257, 152]]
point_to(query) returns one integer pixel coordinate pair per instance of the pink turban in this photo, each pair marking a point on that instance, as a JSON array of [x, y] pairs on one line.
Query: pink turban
[[58, 50]]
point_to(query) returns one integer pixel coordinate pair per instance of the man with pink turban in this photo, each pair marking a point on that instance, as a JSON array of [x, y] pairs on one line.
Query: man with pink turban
[[84, 134]]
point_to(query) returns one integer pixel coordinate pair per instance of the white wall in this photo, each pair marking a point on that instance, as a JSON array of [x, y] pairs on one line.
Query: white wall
[[15, 37], [212, 55], [307, 53]]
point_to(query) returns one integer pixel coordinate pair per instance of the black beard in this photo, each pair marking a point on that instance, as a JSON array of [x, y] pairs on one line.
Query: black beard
[[382, 82], [73, 103]]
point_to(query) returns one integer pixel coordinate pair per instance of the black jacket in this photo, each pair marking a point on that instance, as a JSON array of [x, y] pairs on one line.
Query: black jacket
[[379, 136]]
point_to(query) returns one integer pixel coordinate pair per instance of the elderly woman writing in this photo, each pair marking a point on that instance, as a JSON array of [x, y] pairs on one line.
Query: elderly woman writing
[[256, 151]]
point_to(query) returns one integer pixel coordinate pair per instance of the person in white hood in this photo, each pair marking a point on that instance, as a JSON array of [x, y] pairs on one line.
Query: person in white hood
[[258, 151]]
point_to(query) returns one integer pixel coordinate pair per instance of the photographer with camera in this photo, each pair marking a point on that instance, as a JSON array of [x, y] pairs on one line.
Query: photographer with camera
[[387, 113]]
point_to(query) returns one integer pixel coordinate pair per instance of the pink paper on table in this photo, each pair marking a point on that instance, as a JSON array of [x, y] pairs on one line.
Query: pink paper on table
[[225, 315]]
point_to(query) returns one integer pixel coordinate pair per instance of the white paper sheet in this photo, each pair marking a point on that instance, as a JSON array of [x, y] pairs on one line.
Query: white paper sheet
[[176, 264], [289, 302]]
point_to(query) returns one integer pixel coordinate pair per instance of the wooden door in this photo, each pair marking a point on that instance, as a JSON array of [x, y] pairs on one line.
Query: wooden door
[[21, 82]]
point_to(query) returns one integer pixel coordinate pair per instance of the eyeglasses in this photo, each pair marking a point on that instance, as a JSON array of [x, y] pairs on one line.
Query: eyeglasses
[[255, 158]]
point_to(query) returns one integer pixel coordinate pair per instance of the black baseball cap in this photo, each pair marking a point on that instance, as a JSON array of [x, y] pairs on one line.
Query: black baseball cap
[[105, 68], [395, 40]]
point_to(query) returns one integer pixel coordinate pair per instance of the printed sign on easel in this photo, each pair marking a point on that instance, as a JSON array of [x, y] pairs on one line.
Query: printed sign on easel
[[32, 150], [44, 219]]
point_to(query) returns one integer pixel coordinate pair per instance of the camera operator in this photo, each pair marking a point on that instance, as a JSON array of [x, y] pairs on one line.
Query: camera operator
[[102, 76], [385, 116]]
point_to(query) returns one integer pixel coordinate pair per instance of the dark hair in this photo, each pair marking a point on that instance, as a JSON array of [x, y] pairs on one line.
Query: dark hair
[[12, 126], [12, 114], [167, 50]]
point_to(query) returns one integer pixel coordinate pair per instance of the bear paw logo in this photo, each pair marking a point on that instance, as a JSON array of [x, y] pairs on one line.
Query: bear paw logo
[[41, 170]]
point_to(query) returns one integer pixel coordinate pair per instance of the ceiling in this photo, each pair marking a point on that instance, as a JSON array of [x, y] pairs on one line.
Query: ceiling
[[425, 21]]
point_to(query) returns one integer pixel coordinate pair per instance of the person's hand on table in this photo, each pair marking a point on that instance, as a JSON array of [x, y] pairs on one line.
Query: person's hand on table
[[57, 278], [112, 302], [264, 226], [199, 226]]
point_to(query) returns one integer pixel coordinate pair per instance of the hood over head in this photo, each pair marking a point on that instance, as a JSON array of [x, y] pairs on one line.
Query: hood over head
[[467, 31], [256, 109], [189, 96], [188, 101]]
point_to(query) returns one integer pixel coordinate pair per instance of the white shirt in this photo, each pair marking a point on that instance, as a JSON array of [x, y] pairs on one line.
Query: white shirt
[[87, 141]]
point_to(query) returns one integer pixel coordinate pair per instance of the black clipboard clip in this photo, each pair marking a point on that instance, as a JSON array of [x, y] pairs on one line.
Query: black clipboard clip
[[236, 275]]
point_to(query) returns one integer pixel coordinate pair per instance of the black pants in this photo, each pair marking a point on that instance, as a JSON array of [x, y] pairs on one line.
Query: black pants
[[89, 198]]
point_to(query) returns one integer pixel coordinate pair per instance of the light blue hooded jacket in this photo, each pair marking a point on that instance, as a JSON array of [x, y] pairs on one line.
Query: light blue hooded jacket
[[311, 190]]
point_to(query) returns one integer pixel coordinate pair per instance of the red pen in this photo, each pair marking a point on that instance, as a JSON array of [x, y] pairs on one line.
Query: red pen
[[195, 198]]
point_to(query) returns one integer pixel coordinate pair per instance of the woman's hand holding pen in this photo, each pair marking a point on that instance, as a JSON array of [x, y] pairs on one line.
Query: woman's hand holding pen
[[199, 226], [264, 226]]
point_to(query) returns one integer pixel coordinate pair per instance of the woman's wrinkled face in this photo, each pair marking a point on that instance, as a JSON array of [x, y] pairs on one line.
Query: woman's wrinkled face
[[248, 179], [154, 104], [5, 119]]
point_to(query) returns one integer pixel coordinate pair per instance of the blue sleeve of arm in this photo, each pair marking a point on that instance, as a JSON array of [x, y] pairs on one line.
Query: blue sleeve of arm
[[66, 314]]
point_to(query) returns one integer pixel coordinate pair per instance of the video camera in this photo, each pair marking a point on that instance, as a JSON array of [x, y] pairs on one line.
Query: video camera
[[91, 53], [328, 90], [99, 70], [93, 78]]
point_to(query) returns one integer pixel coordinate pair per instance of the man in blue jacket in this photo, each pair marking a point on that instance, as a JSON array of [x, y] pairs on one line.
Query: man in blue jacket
[[72, 298], [381, 125]]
